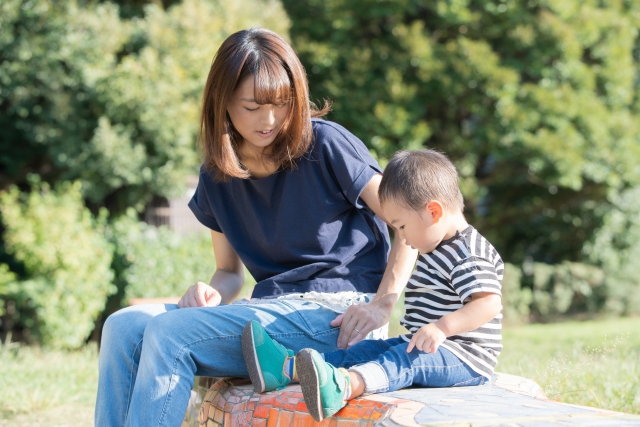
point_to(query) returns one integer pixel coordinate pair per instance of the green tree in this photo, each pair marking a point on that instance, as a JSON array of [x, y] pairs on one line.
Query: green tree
[[536, 102], [111, 102], [105, 109]]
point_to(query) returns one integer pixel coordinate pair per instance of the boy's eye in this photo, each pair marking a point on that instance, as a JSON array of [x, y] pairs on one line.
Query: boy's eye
[[401, 227]]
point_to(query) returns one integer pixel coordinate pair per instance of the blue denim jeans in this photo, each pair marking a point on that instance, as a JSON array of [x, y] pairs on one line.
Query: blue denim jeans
[[385, 366], [150, 354]]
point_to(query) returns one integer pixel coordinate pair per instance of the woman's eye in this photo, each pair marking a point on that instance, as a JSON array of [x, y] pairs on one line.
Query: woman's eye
[[281, 105], [401, 227], [251, 109]]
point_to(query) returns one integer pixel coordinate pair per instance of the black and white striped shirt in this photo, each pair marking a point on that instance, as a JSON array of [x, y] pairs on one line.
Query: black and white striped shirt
[[444, 281]]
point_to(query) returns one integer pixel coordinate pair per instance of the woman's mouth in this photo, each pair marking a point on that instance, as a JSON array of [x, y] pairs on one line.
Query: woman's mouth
[[265, 133]]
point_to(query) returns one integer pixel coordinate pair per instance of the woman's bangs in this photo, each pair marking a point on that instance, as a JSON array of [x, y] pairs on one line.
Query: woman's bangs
[[272, 84]]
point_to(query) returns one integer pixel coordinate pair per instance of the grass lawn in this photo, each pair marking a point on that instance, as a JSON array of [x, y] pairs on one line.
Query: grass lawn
[[594, 363], [586, 363], [47, 388]]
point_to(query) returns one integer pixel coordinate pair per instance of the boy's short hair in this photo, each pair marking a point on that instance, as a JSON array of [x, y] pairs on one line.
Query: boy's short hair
[[414, 178]]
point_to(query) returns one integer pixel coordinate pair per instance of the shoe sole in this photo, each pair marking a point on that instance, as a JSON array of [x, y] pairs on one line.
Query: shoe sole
[[251, 359], [310, 384]]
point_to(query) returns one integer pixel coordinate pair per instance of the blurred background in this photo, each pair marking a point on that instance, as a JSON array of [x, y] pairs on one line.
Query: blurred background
[[535, 101]]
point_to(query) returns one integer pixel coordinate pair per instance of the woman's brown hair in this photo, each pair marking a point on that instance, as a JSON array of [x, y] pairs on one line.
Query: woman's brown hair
[[278, 76]]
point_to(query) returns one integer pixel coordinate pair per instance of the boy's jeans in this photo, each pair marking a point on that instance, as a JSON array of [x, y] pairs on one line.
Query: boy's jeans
[[385, 366], [149, 385]]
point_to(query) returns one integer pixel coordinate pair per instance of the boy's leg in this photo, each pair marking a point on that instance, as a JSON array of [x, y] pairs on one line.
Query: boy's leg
[[362, 352], [325, 388], [396, 369], [271, 365], [326, 385]]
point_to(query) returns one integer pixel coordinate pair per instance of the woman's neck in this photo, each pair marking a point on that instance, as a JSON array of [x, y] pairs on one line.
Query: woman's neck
[[253, 159]]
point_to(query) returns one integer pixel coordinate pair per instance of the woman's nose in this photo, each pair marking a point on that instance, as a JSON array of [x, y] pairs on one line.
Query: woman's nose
[[269, 116]]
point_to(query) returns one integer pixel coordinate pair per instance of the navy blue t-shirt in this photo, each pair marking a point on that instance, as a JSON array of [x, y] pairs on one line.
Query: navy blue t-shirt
[[303, 229]]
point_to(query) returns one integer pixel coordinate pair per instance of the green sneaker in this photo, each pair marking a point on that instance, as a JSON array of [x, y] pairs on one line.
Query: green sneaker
[[265, 358], [323, 385]]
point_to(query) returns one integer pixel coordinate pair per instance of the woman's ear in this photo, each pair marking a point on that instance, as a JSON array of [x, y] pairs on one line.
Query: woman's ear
[[435, 210]]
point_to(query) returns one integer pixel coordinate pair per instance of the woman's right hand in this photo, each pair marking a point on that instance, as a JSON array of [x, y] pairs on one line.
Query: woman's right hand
[[200, 295]]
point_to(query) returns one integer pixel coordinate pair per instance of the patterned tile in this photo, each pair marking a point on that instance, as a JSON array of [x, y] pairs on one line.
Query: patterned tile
[[230, 405]]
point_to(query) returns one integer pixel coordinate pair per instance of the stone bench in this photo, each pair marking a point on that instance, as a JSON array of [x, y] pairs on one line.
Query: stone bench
[[507, 401]]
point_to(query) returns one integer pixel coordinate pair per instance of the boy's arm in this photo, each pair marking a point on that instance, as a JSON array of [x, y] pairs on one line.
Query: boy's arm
[[483, 307]]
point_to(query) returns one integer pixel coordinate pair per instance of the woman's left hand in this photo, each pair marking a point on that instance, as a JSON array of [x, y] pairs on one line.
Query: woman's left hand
[[356, 323]]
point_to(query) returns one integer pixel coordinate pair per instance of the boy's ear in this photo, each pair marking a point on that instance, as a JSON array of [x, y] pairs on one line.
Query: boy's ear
[[435, 210]]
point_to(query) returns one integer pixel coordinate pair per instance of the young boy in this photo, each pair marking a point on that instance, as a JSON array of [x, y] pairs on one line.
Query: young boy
[[452, 303]]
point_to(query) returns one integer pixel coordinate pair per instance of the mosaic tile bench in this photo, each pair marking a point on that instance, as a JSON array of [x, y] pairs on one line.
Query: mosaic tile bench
[[507, 401]]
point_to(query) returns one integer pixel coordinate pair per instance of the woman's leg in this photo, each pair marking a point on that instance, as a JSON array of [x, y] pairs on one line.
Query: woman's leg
[[396, 369], [180, 344], [120, 349]]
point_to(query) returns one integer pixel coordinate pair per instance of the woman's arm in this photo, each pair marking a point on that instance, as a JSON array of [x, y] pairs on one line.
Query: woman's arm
[[226, 283], [359, 320]]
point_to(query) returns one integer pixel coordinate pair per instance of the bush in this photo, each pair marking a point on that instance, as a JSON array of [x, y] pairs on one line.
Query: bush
[[155, 262], [516, 300], [616, 248], [567, 288], [545, 292], [66, 261]]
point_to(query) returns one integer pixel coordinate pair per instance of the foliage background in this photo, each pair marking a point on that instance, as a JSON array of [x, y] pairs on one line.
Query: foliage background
[[106, 97], [536, 102]]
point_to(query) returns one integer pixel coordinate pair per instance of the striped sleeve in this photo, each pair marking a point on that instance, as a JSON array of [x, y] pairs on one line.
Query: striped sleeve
[[475, 274]]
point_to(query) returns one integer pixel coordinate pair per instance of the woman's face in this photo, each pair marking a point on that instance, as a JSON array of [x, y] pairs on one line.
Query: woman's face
[[258, 124]]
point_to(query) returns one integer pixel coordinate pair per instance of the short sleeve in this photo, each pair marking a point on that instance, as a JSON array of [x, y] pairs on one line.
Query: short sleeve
[[200, 206], [473, 275], [348, 159]]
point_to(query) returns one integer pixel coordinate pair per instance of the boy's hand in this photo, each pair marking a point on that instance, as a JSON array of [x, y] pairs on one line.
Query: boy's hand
[[427, 339]]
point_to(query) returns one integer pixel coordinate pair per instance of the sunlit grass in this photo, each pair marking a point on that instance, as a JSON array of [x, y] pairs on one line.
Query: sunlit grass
[[595, 363], [34, 380]]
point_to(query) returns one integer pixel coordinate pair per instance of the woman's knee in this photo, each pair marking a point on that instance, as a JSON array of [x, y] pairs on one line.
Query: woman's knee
[[169, 329], [127, 324]]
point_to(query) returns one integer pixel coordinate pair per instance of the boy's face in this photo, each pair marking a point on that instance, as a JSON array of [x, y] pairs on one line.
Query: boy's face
[[422, 230]]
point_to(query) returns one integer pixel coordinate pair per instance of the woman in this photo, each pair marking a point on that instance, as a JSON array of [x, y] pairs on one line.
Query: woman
[[292, 198]]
